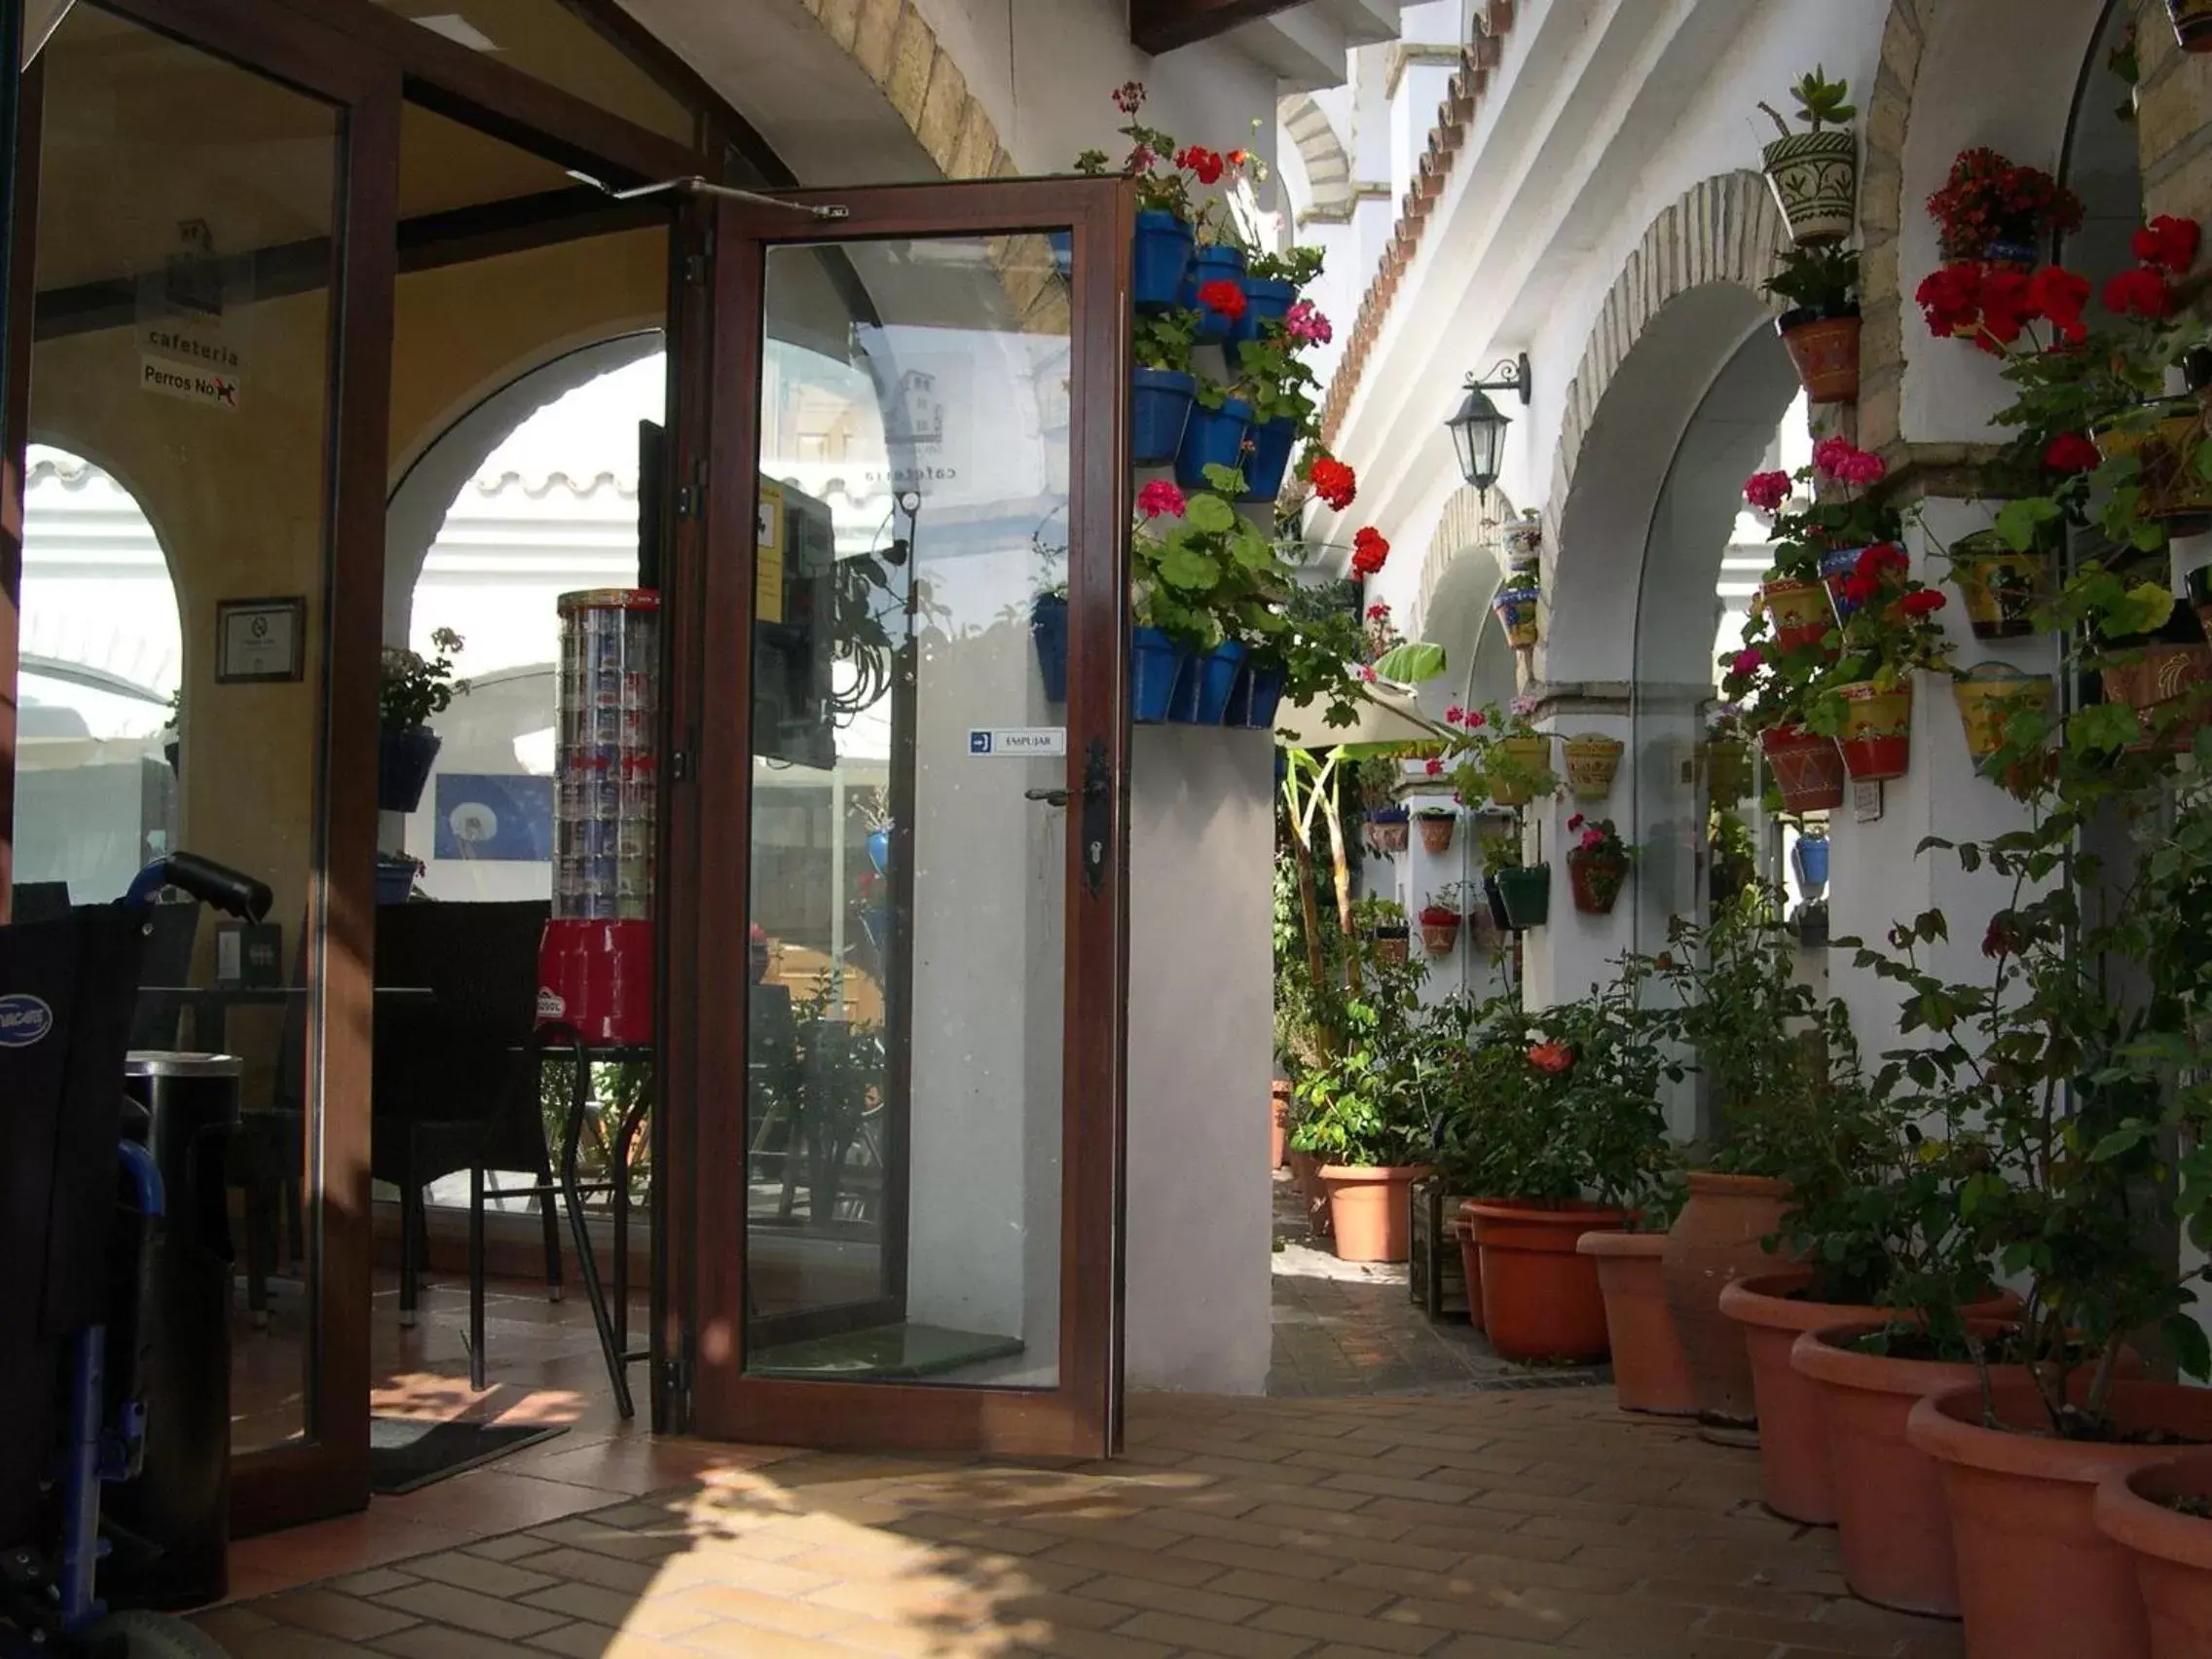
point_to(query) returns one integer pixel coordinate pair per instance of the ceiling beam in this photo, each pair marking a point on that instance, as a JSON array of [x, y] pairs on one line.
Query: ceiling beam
[[1162, 25]]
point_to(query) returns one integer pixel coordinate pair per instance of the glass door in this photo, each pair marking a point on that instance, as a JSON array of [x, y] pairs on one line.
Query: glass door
[[898, 989]]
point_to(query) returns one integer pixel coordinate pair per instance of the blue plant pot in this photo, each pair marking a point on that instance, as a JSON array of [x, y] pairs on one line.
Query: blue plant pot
[[1217, 673], [1161, 260], [1834, 567], [1266, 301], [1270, 459], [1810, 857], [2020, 255], [395, 883], [1155, 663], [879, 850], [1160, 405], [404, 759], [1048, 628], [1063, 253], [1218, 262], [1183, 701], [1211, 437], [1263, 696]]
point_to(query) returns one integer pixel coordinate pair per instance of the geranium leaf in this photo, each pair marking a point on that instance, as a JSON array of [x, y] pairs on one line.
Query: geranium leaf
[[1208, 515]]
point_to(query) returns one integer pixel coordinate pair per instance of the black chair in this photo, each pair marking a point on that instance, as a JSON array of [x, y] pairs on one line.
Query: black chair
[[454, 1088], [38, 901]]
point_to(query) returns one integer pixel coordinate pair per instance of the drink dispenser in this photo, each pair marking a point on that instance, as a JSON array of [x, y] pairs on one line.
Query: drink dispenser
[[595, 969]]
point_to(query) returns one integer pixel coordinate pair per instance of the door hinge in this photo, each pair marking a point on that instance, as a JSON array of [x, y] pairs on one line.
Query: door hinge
[[691, 497], [676, 1387], [678, 767]]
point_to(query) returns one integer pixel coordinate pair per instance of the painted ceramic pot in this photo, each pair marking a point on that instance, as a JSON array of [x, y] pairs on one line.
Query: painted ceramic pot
[[1815, 181]]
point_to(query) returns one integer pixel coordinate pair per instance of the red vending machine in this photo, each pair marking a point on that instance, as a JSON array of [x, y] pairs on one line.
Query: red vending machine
[[595, 970]]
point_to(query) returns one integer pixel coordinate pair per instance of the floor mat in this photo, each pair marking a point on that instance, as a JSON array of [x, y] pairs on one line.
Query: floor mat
[[887, 1353], [406, 1453]]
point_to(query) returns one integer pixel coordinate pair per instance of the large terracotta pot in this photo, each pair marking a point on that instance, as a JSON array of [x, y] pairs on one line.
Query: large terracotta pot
[[1306, 1171], [2037, 1579], [1370, 1210], [1649, 1372], [1713, 1242], [1470, 1263], [1278, 1122], [1825, 350], [2172, 1551], [1794, 1432], [1807, 768], [1540, 1298]]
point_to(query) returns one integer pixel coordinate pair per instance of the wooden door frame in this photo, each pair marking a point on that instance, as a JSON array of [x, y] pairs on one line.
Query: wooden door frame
[[706, 983]]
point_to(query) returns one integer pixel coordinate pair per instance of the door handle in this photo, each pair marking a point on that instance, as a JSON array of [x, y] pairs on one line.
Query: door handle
[[1050, 798], [1098, 816]]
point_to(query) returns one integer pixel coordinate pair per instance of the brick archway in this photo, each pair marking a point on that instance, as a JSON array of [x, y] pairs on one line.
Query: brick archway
[[897, 50]]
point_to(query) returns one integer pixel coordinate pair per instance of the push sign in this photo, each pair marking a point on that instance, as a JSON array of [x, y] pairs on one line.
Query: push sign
[[1017, 743]]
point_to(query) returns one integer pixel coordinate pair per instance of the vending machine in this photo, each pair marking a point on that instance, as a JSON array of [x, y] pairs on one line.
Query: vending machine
[[595, 969]]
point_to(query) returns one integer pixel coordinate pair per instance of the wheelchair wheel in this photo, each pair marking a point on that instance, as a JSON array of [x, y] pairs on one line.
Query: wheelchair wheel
[[155, 1636]]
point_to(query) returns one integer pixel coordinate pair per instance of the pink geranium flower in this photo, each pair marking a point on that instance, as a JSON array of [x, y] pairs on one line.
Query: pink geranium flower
[[1767, 490], [1161, 496], [1304, 321]]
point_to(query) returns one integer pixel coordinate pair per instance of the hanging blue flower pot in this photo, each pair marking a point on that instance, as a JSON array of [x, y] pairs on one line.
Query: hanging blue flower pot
[[1266, 301], [1158, 406], [1265, 693], [1161, 260], [404, 759], [1268, 459], [1155, 661], [1183, 701], [1211, 437], [1216, 262], [879, 850], [1837, 565], [396, 880], [1217, 673], [1810, 857], [1049, 627]]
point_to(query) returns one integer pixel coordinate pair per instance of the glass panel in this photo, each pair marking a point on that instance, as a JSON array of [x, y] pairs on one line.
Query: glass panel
[[550, 40], [908, 894], [444, 165], [179, 388]]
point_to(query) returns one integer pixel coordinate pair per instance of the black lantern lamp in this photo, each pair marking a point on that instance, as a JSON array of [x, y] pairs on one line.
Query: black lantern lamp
[[1478, 430]]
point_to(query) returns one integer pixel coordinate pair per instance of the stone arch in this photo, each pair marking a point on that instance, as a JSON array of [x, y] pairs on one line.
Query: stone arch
[[1322, 153], [1460, 576]]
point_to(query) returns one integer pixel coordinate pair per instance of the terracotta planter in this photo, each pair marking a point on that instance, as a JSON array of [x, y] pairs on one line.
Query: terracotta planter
[[1389, 833], [1278, 1124], [1988, 696], [1369, 1214], [1807, 768], [1540, 1297], [1877, 731], [1470, 1263], [1826, 352], [1390, 943], [1793, 1433], [1436, 832], [1440, 938], [2037, 1578], [1533, 751], [1815, 181], [2002, 587], [2162, 674], [1595, 878], [1713, 1242], [2174, 491], [2193, 23], [1801, 611], [1591, 764], [1649, 1371], [2172, 1551], [1306, 1171]]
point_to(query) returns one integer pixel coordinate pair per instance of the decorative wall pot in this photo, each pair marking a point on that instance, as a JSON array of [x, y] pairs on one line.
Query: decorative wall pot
[[1183, 701], [1988, 695], [1595, 878], [1541, 1295], [1267, 459], [1531, 750], [1808, 856], [1527, 894], [1591, 763], [1159, 259], [1837, 565], [1211, 437], [1436, 830], [1390, 943], [1215, 261], [2001, 586], [1520, 613], [1389, 825], [1815, 181], [1807, 768], [1649, 1371], [1523, 543], [2172, 1550], [1266, 300], [1493, 898], [1826, 352], [1877, 730], [2161, 675], [1266, 695], [1218, 673], [404, 759], [1048, 630], [1155, 663], [1159, 406], [1714, 1241], [1727, 771], [2174, 492], [1369, 1214], [2012, 253], [1801, 611], [1440, 938], [2193, 23]]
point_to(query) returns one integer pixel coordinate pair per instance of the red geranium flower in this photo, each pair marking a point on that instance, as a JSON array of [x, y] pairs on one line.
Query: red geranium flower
[[2168, 244], [2059, 294], [1435, 768], [1576, 823], [1369, 551], [2071, 452], [2005, 307], [1749, 660], [2138, 293], [1767, 490], [1859, 589], [1951, 298], [1201, 163], [1926, 602], [1334, 482], [1222, 297], [1883, 555], [1552, 1057]]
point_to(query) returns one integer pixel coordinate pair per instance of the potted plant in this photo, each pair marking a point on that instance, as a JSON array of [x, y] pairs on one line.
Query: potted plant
[[1159, 403], [1440, 921], [1596, 864], [396, 875], [1771, 686], [1519, 605], [1219, 423], [1820, 327], [1283, 391], [1272, 283], [1733, 857], [1814, 175], [1591, 762], [1727, 755], [1574, 1145], [1167, 216], [1992, 211], [2162, 1515], [1437, 823], [1864, 698], [1651, 1369], [2000, 584], [412, 690], [1988, 695], [1383, 922]]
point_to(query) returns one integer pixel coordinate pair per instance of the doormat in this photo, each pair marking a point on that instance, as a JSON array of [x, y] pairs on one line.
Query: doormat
[[408, 1453], [888, 1354]]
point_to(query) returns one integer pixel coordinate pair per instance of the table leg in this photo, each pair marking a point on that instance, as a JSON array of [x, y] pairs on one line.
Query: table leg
[[624, 1140], [587, 1265], [476, 1278]]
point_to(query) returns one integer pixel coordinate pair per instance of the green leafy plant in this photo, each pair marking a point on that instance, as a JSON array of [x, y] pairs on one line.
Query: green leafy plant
[[413, 689], [1823, 279], [1821, 103], [1298, 266], [1163, 340]]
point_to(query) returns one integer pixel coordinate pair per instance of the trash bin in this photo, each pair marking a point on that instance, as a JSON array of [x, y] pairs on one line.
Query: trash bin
[[180, 1503]]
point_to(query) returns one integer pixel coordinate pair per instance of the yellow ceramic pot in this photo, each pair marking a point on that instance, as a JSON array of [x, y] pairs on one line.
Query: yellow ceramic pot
[[2172, 487], [1877, 730], [1988, 695], [1592, 761], [2002, 587], [1530, 751]]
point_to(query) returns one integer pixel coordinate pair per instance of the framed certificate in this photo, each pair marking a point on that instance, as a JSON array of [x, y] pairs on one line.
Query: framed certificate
[[258, 640]]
